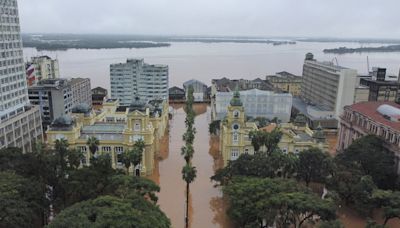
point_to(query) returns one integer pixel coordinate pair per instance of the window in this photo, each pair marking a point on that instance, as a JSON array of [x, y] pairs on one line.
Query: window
[[284, 150], [236, 114], [136, 126], [106, 149], [119, 149], [246, 151], [234, 153], [235, 137], [235, 127]]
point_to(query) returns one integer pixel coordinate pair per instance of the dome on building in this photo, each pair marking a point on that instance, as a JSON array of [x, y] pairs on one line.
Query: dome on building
[[81, 108], [138, 104], [319, 135], [236, 98], [62, 121]]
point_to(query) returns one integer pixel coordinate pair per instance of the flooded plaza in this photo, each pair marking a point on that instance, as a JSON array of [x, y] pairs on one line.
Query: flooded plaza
[[207, 208]]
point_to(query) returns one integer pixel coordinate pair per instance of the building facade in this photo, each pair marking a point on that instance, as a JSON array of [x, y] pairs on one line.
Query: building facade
[[40, 68], [99, 95], [19, 121], [117, 128], [137, 78], [176, 94], [380, 118], [57, 97], [81, 91], [286, 82], [297, 137], [199, 90], [256, 103], [327, 85], [234, 131]]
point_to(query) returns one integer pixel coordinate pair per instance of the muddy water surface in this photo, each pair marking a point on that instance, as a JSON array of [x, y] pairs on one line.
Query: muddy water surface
[[207, 209]]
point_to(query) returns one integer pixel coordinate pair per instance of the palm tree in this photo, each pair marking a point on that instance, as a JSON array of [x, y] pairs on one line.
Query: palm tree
[[187, 152], [188, 175], [61, 147], [93, 144], [257, 139], [126, 161]]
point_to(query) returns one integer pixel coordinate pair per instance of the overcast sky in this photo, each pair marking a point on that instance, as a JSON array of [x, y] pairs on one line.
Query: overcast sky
[[312, 18]]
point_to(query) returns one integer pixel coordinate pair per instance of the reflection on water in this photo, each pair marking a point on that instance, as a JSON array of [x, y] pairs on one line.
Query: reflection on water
[[207, 208]]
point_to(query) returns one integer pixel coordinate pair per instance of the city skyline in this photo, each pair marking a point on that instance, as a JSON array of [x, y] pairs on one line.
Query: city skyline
[[311, 18]]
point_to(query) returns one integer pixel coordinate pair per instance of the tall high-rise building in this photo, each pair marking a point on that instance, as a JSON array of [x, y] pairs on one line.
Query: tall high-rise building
[[40, 68], [135, 78], [328, 86], [57, 97], [20, 123]]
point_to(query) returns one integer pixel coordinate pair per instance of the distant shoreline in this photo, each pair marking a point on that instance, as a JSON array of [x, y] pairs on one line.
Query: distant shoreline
[[345, 50], [54, 42]]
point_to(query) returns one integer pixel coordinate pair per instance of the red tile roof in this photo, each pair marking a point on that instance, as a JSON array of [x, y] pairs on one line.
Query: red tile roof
[[369, 109]]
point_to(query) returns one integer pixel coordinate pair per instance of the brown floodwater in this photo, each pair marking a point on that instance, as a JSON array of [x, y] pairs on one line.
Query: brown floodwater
[[207, 208]]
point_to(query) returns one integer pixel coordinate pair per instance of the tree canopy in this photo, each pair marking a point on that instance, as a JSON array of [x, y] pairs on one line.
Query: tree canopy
[[111, 211]]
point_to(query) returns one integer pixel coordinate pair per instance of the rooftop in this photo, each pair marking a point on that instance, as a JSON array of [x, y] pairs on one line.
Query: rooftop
[[103, 128], [228, 85], [370, 110]]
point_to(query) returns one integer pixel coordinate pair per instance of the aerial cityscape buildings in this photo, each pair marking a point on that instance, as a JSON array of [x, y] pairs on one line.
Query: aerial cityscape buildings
[[20, 123], [251, 148], [137, 78]]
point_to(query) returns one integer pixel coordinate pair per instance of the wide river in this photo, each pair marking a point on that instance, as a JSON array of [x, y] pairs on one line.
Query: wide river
[[205, 61]]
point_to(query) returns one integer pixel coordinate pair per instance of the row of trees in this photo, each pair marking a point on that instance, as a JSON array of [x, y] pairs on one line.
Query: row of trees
[[271, 187], [188, 171], [48, 183]]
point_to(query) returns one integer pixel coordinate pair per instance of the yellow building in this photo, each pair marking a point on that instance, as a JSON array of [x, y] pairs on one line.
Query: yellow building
[[117, 128], [298, 136], [234, 132], [286, 82]]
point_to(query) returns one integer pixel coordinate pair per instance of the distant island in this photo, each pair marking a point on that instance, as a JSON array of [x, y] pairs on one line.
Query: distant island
[[88, 41], [345, 50], [64, 42]]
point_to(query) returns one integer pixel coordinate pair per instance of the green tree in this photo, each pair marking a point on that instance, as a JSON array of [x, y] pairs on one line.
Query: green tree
[[314, 165], [370, 156], [136, 155], [93, 144], [74, 158], [110, 211], [256, 202], [22, 203], [214, 127], [257, 139], [389, 201]]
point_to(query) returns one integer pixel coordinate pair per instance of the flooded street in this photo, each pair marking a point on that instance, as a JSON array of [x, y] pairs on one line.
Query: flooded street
[[207, 208]]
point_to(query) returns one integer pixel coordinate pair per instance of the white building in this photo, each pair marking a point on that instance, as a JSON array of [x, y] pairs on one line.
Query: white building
[[327, 85], [257, 103], [135, 78], [199, 89], [40, 68], [20, 123]]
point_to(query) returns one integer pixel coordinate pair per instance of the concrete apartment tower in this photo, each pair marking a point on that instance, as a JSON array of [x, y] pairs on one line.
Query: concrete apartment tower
[[135, 78], [41, 68], [328, 86], [20, 123]]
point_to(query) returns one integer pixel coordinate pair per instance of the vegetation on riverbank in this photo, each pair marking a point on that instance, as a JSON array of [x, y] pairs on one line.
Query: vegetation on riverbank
[[345, 50]]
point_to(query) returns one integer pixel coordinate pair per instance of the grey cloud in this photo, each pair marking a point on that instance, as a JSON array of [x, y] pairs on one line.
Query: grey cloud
[[337, 18]]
